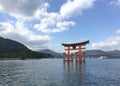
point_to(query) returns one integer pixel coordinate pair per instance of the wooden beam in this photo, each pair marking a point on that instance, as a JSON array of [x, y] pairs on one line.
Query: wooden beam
[[76, 49]]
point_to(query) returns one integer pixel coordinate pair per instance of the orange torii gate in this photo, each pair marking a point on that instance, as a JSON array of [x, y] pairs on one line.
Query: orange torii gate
[[80, 55]]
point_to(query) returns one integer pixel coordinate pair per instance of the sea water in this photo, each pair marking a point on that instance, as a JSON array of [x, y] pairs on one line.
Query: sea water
[[54, 72]]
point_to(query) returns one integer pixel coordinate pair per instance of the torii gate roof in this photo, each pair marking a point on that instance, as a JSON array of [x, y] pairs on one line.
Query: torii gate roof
[[76, 44]]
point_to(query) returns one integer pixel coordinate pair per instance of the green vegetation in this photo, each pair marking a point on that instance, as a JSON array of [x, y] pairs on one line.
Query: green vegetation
[[24, 55], [10, 49]]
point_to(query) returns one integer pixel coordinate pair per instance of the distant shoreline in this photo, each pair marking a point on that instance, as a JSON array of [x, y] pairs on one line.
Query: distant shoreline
[[18, 58], [44, 58], [10, 59]]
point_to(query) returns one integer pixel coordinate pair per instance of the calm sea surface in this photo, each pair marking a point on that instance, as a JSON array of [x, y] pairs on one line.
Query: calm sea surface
[[54, 72]]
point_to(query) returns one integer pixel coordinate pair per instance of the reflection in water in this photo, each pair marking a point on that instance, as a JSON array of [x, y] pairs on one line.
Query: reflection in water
[[74, 74]]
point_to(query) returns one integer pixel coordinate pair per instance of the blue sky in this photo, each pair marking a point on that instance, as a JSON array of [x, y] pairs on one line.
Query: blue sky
[[41, 24]]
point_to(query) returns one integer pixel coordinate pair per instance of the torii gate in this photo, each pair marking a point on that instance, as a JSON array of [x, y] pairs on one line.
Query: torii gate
[[80, 54]]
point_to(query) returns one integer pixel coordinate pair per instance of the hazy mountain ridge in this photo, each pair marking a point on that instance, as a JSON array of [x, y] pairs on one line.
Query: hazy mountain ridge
[[90, 53], [98, 53], [53, 53], [13, 49]]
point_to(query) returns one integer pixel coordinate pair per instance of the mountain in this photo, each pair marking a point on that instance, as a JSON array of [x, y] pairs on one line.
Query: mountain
[[10, 49], [114, 54], [53, 53], [95, 53], [7, 45], [99, 53], [90, 53]]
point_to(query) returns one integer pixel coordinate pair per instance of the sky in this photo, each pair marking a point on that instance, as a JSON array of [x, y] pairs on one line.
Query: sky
[[46, 24]]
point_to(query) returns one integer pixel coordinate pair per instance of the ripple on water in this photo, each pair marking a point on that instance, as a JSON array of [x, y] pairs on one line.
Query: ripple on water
[[53, 72]]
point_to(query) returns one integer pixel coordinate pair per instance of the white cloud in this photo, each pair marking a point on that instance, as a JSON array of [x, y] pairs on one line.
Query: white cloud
[[112, 43], [20, 8], [21, 34], [59, 26], [51, 22], [29, 10], [118, 31], [75, 7], [115, 2], [55, 22]]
